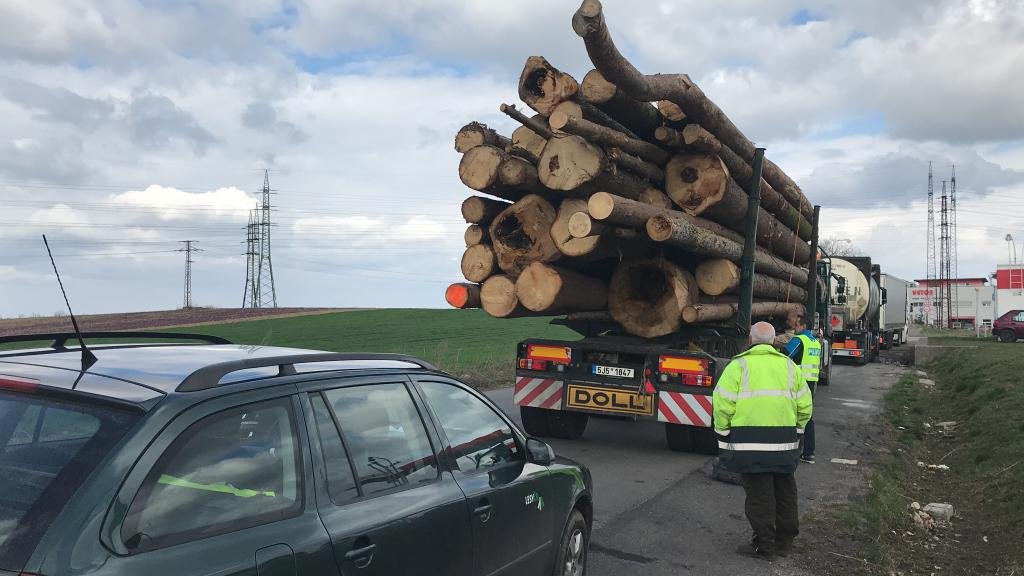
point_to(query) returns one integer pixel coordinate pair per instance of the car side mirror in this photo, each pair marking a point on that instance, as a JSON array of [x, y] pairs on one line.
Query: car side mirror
[[539, 452]]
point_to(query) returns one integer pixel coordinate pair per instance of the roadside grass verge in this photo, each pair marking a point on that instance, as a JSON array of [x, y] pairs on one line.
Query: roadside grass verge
[[970, 421]]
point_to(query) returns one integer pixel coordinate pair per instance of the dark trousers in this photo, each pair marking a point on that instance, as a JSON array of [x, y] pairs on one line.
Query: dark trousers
[[771, 508], [809, 438]]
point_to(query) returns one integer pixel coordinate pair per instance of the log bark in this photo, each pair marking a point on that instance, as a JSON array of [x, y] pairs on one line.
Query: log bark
[[640, 117], [526, 141], [682, 233], [700, 313], [498, 298], [638, 166], [571, 164], [521, 234], [476, 234], [480, 210], [669, 137], [463, 296], [589, 24], [546, 288], [560, 120], [647, 297], [478, 263], [538, 123], [700, 184], [581, 226], [495, 171], [720, 276], [743, 174], [521, 175], [697, 138], [628, 213], [542, 86], [477, 134]]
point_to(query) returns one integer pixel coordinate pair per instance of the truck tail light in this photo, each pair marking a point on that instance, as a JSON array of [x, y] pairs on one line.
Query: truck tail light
[[680, 365], [553, 354], [528, 364], [17, 384]]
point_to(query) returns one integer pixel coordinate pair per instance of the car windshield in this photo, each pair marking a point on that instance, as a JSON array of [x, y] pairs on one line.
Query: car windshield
[[47, 449]]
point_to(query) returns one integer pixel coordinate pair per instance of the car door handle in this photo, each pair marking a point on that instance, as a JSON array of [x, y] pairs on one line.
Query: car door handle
[[361, 557], [483, 510]]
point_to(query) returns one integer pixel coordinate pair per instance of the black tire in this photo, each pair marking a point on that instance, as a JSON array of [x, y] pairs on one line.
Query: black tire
[[567, 425], [1007, 336], [680, 437], [705, 441], [535, 421], [825, 376], [571, 558]]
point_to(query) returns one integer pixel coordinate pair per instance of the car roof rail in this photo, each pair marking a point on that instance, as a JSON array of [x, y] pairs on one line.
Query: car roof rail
[[210, 376], [59, 339]]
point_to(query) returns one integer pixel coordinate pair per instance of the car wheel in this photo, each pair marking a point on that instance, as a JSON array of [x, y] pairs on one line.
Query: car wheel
[[572, 552], [1007, 336], [567, 425], [535, 421], [679, 437]]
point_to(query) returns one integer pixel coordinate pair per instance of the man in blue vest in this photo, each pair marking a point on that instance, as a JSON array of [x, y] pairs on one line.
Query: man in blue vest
[[805, 350], [761, 405]]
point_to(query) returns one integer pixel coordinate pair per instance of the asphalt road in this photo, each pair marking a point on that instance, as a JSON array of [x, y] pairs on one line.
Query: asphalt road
[[659, 512]]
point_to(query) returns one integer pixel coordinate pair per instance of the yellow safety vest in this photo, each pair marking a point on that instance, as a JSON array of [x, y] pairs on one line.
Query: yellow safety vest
[[810, 360]]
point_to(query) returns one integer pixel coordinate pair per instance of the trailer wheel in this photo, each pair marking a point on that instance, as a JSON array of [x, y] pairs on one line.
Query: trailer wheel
[[679, 437], [705, 441], [567, 425], [535, 421]]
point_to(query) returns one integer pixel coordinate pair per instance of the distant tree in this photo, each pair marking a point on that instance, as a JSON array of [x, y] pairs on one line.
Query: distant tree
[[838, 247]]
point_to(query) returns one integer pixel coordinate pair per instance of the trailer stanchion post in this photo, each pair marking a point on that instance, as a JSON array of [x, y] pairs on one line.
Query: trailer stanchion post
[[749, 246], [812, 274]]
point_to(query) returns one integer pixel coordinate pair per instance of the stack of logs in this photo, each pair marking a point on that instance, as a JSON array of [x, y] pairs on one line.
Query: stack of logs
[[626, 194]]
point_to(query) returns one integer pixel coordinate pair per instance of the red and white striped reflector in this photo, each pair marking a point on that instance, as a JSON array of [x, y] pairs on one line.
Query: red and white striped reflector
[[539, 393], [680, 408]]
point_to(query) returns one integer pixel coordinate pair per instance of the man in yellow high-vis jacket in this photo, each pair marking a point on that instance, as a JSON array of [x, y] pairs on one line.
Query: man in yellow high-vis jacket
[[805, 349], [761, 405]]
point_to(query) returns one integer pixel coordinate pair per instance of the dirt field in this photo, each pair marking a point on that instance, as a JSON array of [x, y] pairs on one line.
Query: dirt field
[[148, 320]]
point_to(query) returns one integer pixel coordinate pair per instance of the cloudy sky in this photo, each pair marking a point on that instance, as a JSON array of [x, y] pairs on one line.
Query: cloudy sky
[[127, 126]]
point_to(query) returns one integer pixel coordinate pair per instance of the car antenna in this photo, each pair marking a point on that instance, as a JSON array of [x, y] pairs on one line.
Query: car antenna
[[88, 358]]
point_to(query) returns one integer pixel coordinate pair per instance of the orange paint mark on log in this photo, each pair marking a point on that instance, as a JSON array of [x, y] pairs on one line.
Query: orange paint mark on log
[[457, 295]]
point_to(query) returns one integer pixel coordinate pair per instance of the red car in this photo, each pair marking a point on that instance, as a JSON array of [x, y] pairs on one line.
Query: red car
[[1010, 326]]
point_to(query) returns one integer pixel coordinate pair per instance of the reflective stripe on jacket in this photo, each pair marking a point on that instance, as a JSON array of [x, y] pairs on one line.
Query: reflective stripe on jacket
[[810, 361], [761, 404]]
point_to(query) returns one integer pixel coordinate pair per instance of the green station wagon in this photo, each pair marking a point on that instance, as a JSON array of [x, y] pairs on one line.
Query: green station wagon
[[216, 459]]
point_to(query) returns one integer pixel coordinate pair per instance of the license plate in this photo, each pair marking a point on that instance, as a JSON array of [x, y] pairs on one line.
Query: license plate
[[613, 371], [609, 400]]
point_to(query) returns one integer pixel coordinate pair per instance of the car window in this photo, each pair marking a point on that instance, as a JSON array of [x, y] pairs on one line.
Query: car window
[[37, 476], [479, 438], [1019, 318], [385, 436], [231, 470], [341, 482]]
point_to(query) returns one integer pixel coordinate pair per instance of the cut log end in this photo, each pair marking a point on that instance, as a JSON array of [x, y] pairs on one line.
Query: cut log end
[[522, 234], [498, 296], [478, 263], [567, 243], [659, 228], [478, 168], [581, 225], [601, 205], [717, 276], [463, 295], [475, 234], [671, 111], [647, 297], [477, 134], [596, 89], [695, 181], [546, 288], [542, 86], [480, 210], [569, 162]]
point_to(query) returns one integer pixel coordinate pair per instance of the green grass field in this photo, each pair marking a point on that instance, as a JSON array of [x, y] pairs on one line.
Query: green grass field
[[466, 343]]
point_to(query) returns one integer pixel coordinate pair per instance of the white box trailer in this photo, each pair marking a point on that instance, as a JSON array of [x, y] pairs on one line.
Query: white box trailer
[[895, 313]]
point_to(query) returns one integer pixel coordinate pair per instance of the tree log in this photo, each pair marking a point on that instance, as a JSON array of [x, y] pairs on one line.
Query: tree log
[[640, 117], [673, 114], [521, 175], [542, 86], [572, 164], [697, 138], [581, 226], [492, 170], [538, 123], [567, 243], [476, 234], [682, 233], [700, 184], [656, 197], [633, 214], [669, 137], [528, 142], [719, 276], [646, 170], [546, 288], [498, 298], [521, 234], [463, 295], [477, 134], [480, 210], [700, 313], [589, 24], [478, 263], [560, 120], [647, 297]]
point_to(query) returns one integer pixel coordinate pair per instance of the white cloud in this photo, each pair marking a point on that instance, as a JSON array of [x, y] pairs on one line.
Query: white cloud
[[168, 203]]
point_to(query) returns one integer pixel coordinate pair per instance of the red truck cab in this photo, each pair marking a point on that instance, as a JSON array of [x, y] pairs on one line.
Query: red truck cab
[[1010, 326]]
